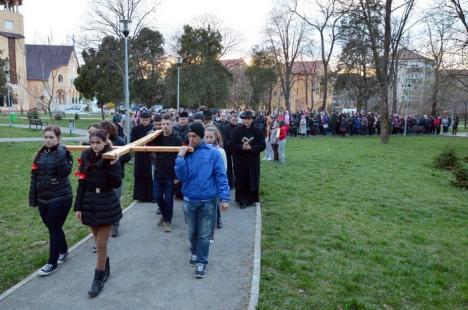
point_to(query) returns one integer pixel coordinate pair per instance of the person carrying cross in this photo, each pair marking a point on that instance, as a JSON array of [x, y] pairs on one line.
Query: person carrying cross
[[204, 181]]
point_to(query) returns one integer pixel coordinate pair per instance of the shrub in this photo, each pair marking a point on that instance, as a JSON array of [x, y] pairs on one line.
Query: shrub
[[447, 160], [58, 116], [77, 117], [461, 177]]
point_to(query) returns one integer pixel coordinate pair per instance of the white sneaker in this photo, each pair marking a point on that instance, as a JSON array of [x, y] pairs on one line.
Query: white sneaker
[[62, 258]]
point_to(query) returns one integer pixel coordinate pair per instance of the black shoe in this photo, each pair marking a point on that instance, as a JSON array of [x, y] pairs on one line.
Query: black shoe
[[158, 211], [193, 260], [200, 271], [115, 231], [219, 224], [243, 205], [98, 283], [107, 275]]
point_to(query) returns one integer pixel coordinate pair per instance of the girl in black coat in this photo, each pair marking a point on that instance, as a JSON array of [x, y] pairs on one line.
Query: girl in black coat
[[50, 190], [97, 204]]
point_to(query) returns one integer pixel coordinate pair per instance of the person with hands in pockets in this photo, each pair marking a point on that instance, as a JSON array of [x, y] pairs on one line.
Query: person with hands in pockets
[[204, 182]]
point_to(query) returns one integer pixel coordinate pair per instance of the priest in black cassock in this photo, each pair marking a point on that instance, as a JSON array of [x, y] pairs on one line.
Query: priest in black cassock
[[247, 143], [143, 185]]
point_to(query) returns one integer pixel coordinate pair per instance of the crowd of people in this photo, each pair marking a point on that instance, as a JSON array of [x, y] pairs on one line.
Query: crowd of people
[[217, 154]]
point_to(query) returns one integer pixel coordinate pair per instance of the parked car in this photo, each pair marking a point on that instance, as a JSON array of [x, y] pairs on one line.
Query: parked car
[[75, 109]]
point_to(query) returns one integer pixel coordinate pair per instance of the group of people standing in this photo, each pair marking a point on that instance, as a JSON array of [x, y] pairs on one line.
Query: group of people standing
[[213, 158]]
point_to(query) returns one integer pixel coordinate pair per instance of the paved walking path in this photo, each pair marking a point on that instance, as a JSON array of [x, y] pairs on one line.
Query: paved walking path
[[76, 131], [150, 268]]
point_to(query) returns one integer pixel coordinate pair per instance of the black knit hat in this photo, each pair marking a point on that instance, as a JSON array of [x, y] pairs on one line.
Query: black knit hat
[[197, 128], [199, 115], [144, 113], [247, 114]]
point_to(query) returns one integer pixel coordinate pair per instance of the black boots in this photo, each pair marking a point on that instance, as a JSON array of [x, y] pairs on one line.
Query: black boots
[[106, 276], [100, 277], [98, 283]]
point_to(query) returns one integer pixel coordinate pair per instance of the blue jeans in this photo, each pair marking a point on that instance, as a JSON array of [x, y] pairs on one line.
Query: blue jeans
[[200, 217], [163, 191]]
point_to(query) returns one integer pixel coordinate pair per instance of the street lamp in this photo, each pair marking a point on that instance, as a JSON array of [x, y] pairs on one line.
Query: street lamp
[[125, 28], [179, 62], [7, 85]]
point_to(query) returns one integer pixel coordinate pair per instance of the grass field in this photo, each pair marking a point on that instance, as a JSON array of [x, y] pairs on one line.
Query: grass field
[[23, 236], [347, 224], [354, 224], [12, 132], [81, 123]]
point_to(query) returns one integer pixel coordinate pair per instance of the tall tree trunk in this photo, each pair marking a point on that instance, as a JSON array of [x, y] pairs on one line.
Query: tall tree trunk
[[435, 93], [325, 87], [306, 91], [270, 99], [102, 112], [384, 130]]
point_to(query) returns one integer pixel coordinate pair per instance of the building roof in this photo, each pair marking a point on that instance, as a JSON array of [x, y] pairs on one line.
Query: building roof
[[232, 63], [11, 35], [406, 54], [42, 59], [305, 67]]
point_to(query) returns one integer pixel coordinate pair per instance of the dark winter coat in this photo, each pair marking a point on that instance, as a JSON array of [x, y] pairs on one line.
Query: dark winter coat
[[247, 162], [119, 141], [164, 162], [142, 167], [49, 176], [96, 198]]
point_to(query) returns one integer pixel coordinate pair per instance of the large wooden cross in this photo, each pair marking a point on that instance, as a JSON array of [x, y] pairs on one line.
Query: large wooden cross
[[135, 146]]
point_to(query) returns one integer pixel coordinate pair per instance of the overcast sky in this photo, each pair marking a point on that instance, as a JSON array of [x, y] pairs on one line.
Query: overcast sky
[[60, 19]]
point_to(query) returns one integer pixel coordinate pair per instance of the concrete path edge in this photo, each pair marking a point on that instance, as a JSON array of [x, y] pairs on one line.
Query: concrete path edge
[[257, 259], [36, 273]]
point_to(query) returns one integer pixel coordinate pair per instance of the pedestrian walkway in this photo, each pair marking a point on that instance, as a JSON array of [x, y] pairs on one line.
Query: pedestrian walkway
[[150, 268], [76, 131]]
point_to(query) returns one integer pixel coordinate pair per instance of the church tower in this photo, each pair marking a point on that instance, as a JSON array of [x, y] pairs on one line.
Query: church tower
[[12, 48]]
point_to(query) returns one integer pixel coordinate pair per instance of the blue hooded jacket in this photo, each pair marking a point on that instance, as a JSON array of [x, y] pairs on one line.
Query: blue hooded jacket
[[202, 174]]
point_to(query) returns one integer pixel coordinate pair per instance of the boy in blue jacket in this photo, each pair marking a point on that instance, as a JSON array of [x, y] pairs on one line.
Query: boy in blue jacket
[[204, 181]]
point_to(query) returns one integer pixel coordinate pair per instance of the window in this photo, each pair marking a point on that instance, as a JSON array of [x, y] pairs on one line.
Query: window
[[60, 78], [9, 25]]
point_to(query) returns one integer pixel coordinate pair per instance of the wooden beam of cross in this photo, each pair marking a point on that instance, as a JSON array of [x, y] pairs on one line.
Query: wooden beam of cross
[[135, 146]]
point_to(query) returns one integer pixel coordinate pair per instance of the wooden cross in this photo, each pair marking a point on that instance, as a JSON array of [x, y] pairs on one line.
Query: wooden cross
[[135, 146]]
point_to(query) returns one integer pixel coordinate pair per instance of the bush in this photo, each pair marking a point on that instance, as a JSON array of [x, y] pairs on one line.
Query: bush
[[77, 117], [58, 116], [447, 160], [461, 177]]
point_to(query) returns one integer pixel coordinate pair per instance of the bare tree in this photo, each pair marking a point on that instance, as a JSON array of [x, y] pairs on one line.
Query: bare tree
[[440, 37], [460, 8], [104, 18], [381, 60], [231, 39], [285, 35], [327, 24], [399, 28]]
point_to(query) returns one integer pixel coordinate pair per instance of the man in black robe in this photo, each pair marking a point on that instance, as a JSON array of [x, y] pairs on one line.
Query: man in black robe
[[143, 185], [247, 144], [227, 140]]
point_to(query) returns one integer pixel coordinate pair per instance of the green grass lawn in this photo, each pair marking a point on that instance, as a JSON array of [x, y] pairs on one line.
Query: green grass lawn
[[349, 223], [81, 123], [12, 132], [23, 237]]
